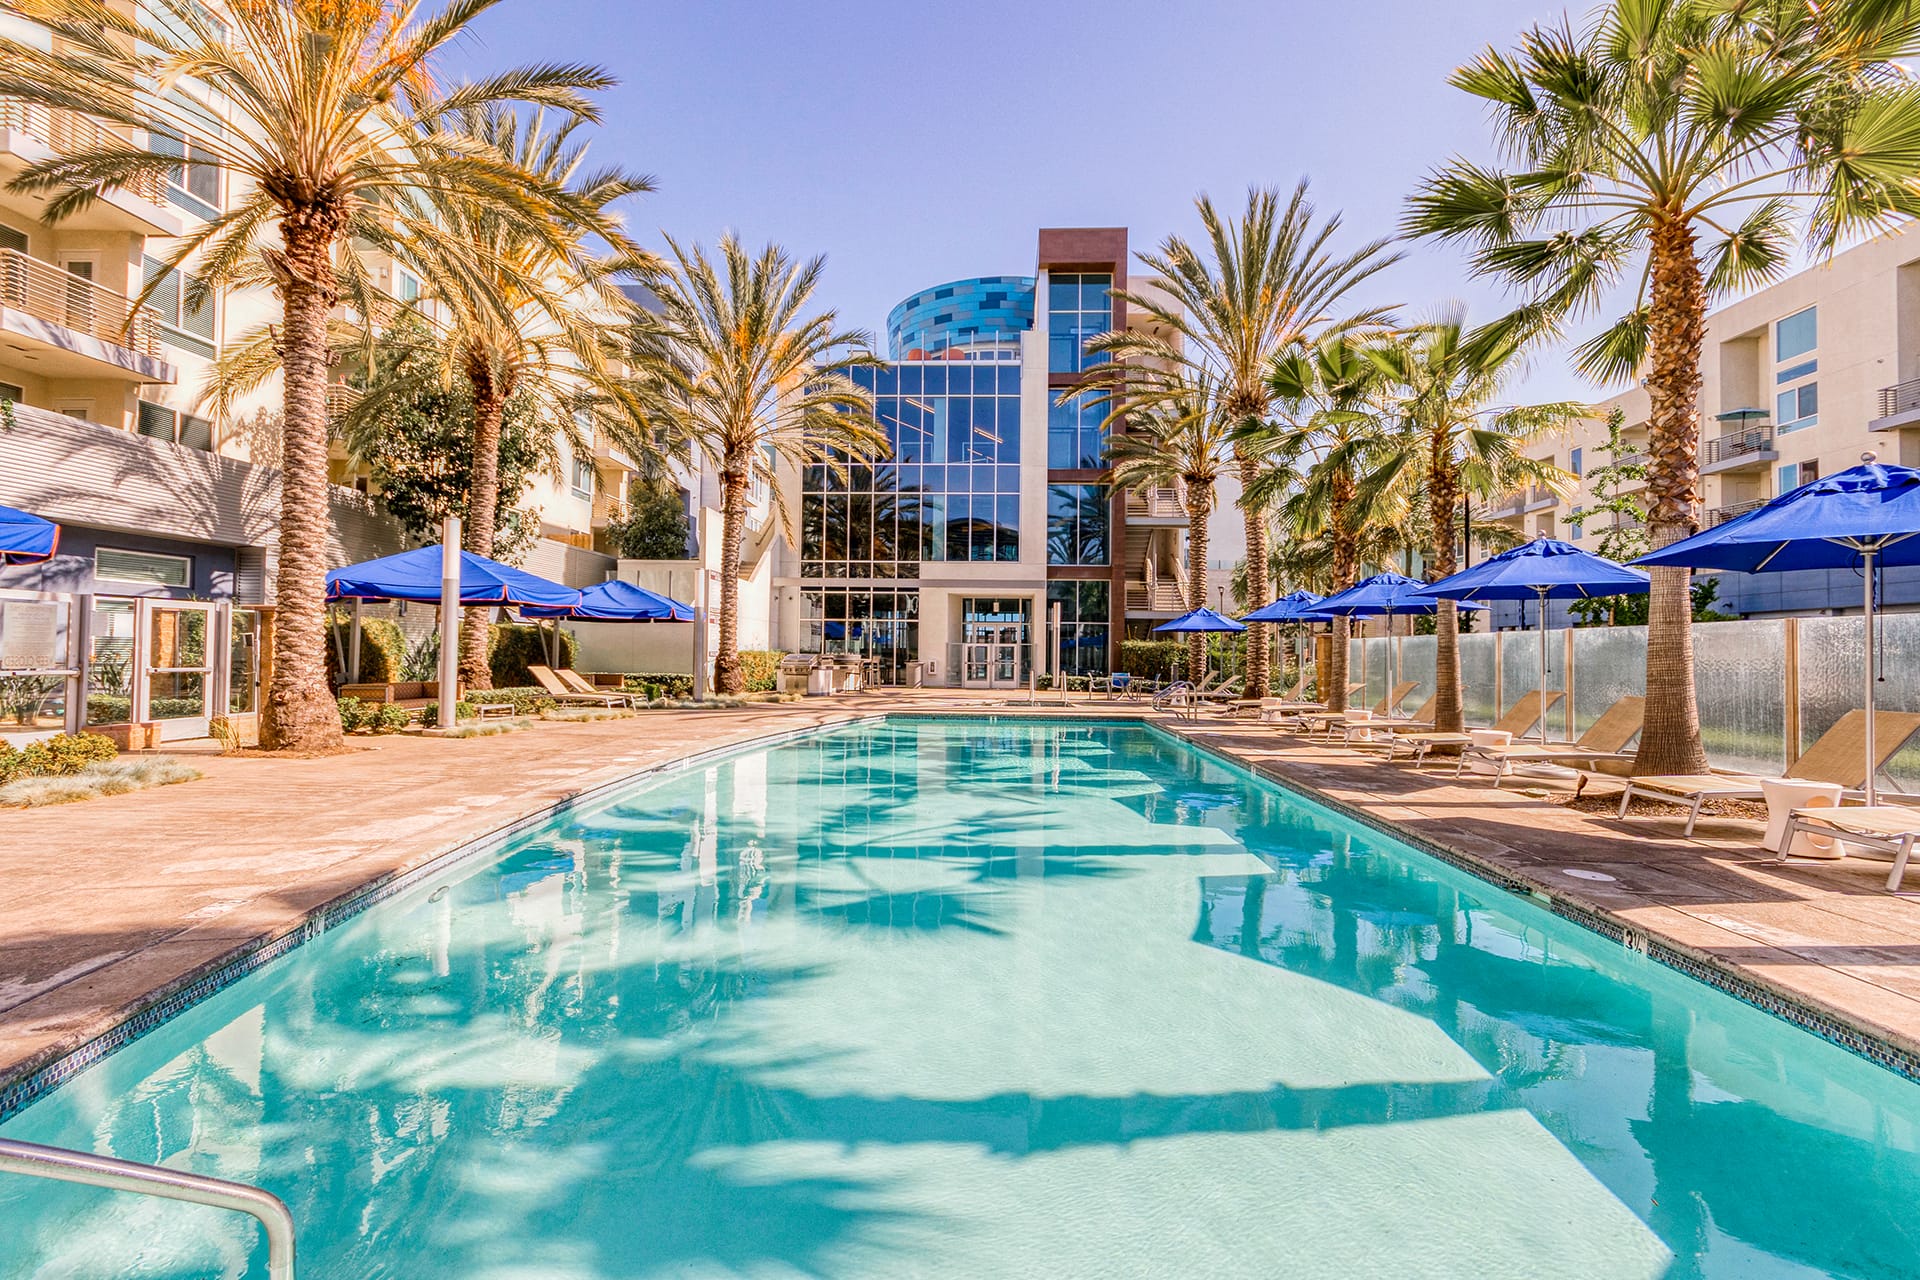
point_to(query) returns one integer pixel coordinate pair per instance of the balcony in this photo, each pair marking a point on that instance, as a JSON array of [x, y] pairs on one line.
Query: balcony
[[1899, 407], [1720, 515], [1747, 449], [61, 326], [30, 134], [1162, 505], [1540, 498], [1506, 507]]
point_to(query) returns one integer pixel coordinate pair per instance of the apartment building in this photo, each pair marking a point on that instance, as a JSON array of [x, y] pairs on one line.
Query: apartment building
[[996, 507], [1798, 381]]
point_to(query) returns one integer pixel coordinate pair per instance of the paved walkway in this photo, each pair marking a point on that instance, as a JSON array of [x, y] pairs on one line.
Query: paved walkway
[[113, 904]]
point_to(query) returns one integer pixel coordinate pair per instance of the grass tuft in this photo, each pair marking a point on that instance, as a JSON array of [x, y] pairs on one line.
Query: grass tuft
[[111, 778], [486, 728], [578, 715]]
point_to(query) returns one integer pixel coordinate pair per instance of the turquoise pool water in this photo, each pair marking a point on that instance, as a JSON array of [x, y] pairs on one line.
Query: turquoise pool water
[[958, 999]]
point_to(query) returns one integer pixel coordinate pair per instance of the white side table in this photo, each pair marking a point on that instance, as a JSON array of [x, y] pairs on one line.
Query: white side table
[[1487, 738], [1784, 795], [1358, 734]]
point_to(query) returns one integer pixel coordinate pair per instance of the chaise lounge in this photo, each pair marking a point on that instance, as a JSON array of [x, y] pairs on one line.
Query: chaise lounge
[[1605, 739]]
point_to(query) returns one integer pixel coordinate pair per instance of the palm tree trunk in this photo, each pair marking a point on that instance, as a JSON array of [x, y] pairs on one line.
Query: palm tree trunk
[[1670, 742], [1258, 636], [1345, 565], [483, 500], [299, 713], [1443, 497], [1199, 507], [727, 675]]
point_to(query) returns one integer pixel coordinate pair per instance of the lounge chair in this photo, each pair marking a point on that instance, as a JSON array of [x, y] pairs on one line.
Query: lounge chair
[[556, 689], [1276, 710], [1225, 691], [1329, 721], [1520, 718], [585, 687], [1891, 828], [1837, 757], [1421, 719], [1605, 739]]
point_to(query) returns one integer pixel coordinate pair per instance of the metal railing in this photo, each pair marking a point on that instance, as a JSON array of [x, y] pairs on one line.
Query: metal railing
[[51, 293], [61, 1165], [1156, 597], [1733, 444], [67, 132], [1163, 502], [1901, 397], [1720, 515]]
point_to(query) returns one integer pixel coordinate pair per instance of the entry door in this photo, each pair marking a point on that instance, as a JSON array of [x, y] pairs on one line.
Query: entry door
[[178, 677], [978, 673]]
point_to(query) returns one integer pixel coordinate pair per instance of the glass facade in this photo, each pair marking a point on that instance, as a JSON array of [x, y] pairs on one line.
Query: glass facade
[[951, 490], [980, 319], [1076, 436], [1078, 309], [1084, 623], [879, 622], [1077, 518]]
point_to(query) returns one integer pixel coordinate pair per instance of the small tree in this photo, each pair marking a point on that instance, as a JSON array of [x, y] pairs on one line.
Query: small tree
[[1617, 489], [654, 526]]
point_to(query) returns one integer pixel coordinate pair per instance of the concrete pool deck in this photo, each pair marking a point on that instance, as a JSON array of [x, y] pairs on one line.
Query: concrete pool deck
[[114, 905]]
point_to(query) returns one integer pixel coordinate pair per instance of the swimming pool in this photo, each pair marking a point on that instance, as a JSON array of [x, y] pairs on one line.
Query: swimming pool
[[958, 998]]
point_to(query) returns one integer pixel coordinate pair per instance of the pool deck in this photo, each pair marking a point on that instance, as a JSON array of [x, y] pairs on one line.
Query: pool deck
[[114, 905]]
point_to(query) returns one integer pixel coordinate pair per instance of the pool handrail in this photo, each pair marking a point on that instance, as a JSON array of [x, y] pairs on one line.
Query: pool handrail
[[62, 1165]]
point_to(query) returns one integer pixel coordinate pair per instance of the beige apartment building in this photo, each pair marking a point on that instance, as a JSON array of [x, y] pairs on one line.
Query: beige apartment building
[[1798, 381]]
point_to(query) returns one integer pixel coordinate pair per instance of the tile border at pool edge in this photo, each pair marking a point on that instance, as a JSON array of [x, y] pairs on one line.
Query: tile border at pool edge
[[42, 1073], [1794, 1008]]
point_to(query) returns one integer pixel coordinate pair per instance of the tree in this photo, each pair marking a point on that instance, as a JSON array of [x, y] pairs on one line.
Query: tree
[[1616, 487], [1672, 143], [654, 526], [1266, 283], [733, 364], [329, 125], [1445, 381]]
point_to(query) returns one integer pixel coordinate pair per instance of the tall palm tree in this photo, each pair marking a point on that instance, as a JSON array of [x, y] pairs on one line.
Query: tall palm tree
[[1176, 432], [1326, 432], [1264, 283], [1445, 381], [328, 123], [734, 364], [1672, 143]]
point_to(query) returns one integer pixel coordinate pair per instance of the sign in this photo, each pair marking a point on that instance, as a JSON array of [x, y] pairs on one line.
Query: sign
[[29, 635]]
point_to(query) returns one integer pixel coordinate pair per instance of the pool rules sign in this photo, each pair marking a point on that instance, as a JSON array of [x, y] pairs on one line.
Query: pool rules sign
[[29, 635]]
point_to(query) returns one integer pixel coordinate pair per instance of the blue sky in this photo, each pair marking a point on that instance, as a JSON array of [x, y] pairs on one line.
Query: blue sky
[[915, 143]]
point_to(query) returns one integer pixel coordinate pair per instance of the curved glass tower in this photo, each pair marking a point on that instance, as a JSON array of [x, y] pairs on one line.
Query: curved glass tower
[[977, 319]]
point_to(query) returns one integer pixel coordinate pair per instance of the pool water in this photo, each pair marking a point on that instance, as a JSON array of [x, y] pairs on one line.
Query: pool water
[[979, 999]]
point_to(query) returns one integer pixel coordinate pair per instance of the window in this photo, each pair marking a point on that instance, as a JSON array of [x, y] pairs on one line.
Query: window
[[1078, 309], [12, 239], [1077, 523], [145, 568], [582, 477], [1797, 407], [194, 183], [1574, 464], [183, 326], [1576, 518], [1084, 620], [1795, 474], [1796, 335], [12, 394], [406, 286], [1076, 436], [162, 423]]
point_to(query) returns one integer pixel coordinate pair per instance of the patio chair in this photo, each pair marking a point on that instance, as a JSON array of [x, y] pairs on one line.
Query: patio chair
[[1837, 757], [1890, 828], [555, 688], [585, 687], [1605, 739], [1421, 719], [1227, 691], [1520, 717], [1115, 684], [1276, 711], [1328, 722]]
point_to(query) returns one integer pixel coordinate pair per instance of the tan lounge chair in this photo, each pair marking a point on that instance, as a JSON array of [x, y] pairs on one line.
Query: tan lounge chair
[[585, 687], [1838, 757], [554, 688], [1422, 718], [1605, 739], [1520, 718], [1329, 721], [1277, 710], [1891, 828]]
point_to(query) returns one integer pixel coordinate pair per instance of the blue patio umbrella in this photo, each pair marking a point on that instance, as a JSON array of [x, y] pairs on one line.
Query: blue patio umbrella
[[1199, 620], [1385, 593], [26, 538], [1295, 606], [1865, 518], [415, 575], [616, 602], [1544, 569]]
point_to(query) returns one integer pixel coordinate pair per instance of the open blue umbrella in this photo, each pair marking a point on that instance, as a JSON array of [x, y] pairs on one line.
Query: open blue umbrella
[[1865, 518], [616, 602], [26, 538], [415, 575], [1385, 593], [1544, 569], [1201, 619], [1295, 606]]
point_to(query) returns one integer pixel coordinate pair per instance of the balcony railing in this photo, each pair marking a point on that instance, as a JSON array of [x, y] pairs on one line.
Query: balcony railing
[[50, 293], [1734, 444], [1901, 397], [66, 133], [1156, 597], [1163, 502], [1720, 515]]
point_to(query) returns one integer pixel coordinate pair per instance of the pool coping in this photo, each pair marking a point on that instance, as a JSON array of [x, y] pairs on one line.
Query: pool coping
[[41, 1073]]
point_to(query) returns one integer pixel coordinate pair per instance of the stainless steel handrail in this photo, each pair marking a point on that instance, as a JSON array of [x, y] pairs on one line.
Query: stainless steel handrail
[[36, 1161]]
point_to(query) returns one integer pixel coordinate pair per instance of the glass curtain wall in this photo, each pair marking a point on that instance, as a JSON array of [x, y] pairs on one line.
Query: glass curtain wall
[[1085, 620], [1078, 308], [1077, 520]]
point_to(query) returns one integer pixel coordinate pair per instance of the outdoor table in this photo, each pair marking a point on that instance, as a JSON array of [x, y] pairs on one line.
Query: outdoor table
[[485, 708], [1487, 738], [1784, 795]]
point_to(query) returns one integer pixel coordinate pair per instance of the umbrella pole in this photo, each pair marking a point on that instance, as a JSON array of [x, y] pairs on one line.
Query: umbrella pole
[[1543, 664], [1867, 701]]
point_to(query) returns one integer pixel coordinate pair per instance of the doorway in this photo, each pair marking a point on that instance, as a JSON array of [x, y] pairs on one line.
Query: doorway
[[176, 679], [995, 648]]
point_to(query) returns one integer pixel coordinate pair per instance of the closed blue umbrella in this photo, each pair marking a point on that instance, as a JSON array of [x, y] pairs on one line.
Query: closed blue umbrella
[[415, 575], [26, 538], [1544, 569], [1866, 517]]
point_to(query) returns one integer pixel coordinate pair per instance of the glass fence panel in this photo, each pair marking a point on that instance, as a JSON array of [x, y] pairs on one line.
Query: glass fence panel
[[1416, 665], [1479, 661], [1609, 663], [1739, 678], [1832, 667], [1520, 676], [1379, 669]]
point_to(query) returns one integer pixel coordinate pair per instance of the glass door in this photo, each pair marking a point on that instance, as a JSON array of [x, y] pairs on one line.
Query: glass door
[[179, 667]]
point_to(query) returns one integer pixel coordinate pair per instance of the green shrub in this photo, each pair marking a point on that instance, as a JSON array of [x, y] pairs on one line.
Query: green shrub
[[354, 714], [1152, 659], [461, 711], [527, 700], [382, 649], [512, 647], [663, 685], [390, 719], [58, 756], [108, 708], [105, 778], [761, 668]]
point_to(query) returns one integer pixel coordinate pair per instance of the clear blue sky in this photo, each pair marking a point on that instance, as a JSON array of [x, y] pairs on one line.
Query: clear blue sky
[[916, 143]]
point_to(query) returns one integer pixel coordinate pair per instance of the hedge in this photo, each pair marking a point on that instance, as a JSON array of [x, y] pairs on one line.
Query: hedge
[[1153, 659], [58, 756], [383, 646], [513, 647], [527, 700], [761, 668], [659, 685]]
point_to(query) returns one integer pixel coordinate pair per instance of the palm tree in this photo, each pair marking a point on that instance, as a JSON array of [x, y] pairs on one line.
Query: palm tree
[[734, 365], [330, 123], [1176, 432], [1672, 144], [1268, 282], [1445, 382]]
